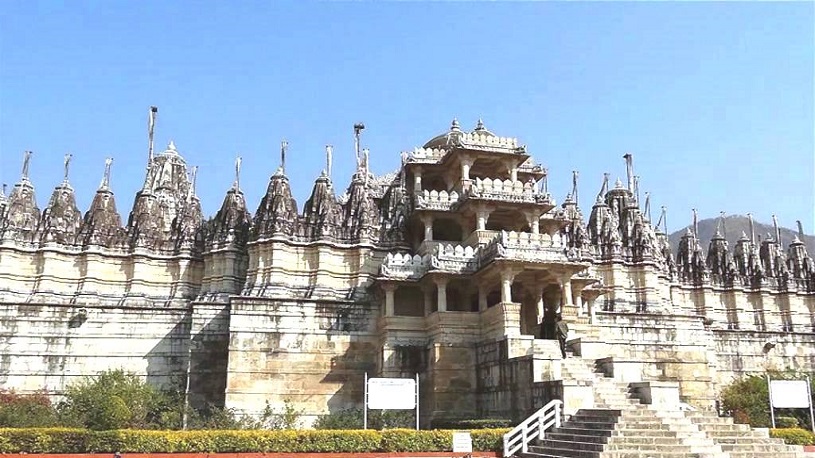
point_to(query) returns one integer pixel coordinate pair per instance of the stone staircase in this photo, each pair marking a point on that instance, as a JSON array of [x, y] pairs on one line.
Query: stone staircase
[[622, 427]]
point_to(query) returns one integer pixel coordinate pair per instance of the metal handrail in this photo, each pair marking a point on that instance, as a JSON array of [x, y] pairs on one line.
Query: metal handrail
[[533, 428]]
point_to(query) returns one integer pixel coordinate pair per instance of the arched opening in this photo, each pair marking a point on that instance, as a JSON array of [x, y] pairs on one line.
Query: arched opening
[[506, 220]]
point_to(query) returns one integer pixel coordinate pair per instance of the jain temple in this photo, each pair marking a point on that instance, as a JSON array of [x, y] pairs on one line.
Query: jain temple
[[453, 267]]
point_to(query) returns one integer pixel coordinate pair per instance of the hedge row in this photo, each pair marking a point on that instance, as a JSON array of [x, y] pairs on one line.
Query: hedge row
[[63, 440], [794, 436]]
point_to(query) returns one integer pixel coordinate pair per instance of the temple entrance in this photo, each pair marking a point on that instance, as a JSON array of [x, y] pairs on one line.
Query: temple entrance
[[551, 305]]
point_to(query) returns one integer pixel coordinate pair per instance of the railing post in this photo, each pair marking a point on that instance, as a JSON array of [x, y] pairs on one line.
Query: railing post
[[524, 445], [557, 415]]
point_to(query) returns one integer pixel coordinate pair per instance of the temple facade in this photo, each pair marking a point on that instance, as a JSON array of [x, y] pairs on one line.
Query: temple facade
[[454, 267]]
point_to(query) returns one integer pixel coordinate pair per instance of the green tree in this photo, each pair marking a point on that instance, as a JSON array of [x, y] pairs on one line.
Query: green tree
[[747, 400], [26, 410], [115, 400]]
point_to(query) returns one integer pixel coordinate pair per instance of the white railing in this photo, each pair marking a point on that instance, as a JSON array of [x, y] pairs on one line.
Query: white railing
[[533, 428]]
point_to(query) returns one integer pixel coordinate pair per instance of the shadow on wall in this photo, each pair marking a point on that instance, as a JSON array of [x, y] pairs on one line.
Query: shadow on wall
[[167, 361], [349, 325], [209, 359]]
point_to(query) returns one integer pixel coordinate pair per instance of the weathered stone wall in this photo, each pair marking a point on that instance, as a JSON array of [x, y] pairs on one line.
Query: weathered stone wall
[[739, 353], [311, 353], [47, 346], [60, 274], [209, 354]]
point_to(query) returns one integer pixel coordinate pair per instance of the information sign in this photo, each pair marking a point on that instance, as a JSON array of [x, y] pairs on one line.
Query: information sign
[[789, 394], [391, 393], [462, 442]]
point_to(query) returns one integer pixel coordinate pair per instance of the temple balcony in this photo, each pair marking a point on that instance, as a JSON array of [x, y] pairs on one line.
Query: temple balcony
[[528, 247], [507, 191], [435, 200]]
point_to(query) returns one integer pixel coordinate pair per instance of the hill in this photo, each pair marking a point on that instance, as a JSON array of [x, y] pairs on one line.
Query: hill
[[734, 225]]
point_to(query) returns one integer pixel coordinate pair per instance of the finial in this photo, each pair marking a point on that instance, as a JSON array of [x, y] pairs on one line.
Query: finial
[[723, 222], [193, 179], [545, 181], [647, 210], [284, 146], [480, 125], [629, 170], [604, 187], [5, 187], [777, 230], [695, 224], [329, 153], [171, 146], [237, 185], [575, 174], [66, 164], [358, 128], [105, 184], [637, 187], [752, 229], [618, 184], [365, 156], [26, 163], [454, 125], [151, 125], [800, 229]]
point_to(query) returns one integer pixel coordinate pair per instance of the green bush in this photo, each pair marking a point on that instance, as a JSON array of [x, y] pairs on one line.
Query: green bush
[[486, 423], [794, 436], [747, 400], [62, 440], [787, 422], [377, 419], [26, 410]]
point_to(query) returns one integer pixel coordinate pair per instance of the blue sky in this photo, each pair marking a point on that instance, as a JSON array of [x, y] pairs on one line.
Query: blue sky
[[715, 100]]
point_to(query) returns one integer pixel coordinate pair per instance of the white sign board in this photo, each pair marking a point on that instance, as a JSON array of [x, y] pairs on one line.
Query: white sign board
[[391, 393], [789, 394], [462, 443]]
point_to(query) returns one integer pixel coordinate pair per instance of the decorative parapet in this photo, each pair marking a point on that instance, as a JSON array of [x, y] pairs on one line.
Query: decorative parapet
[[529, 166], [456, 259], [436, 200], [400, 266], [523, 246], [477, 140], [507, 191], [425, 155]]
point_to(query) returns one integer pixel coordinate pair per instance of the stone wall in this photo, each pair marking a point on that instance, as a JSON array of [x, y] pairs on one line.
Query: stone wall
[[311, 353], [740, 353], [46, 346], [209, 354]]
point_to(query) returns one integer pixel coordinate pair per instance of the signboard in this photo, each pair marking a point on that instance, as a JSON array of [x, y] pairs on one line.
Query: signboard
[[392, 393], [462, 442], [789, 394]]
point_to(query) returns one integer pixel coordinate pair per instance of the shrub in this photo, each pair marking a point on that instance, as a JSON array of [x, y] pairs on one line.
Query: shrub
[[61, 440], [794, 436], [787, 422], [747, 401], [377, 419], [116, 399], [486, 423], [26, 410]]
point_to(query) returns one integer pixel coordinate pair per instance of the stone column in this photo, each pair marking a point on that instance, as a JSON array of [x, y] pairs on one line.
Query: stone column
[[441, 290], [533, 218], [428, 227], [389, 289], [566, 292], [466, 163], [482, 215], [417, 179], [513, 173], [507, 276], [579, 304], [539, 305]]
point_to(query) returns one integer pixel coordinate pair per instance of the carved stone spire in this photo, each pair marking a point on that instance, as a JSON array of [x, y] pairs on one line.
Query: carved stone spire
[[322, 214], [277, 213], [102, 224], [232, 222], [23, 214], [61, 220]]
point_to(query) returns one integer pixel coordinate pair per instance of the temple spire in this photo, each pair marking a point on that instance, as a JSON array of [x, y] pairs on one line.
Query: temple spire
[[284, 147], [237, 185], [151, 125], [66, 165], [329, 152], [26, 163], [105, 184]]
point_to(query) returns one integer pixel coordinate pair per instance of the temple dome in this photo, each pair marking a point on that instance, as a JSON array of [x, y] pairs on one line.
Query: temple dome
[[449, 137]]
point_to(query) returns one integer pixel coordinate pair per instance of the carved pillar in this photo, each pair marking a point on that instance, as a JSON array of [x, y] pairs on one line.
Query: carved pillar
[[389, 289], [417, 179], [567, 307], [507, 276], [428, 227], [482, 298], [533, 218], [466, 163], [513, 173], [441, 290], [539, 305], [482, 215]]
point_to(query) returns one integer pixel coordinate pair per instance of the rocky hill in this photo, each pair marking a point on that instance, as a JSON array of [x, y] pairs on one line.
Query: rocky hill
[[734, 225]]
